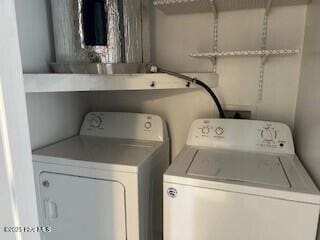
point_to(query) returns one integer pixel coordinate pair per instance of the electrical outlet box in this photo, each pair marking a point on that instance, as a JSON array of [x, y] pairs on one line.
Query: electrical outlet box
[[238, 114]]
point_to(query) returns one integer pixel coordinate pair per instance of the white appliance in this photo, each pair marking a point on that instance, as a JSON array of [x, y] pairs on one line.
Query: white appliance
[[239, 180], [106, 183]]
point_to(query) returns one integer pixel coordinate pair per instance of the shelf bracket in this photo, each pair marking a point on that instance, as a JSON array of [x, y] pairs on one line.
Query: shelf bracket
[[213, 7], [213, 60], [264, 59], [268, 7], [215, 34]]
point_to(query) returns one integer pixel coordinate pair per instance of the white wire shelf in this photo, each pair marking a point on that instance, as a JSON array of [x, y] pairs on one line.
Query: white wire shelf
[[197, 6], [249, 53], [90, 82]]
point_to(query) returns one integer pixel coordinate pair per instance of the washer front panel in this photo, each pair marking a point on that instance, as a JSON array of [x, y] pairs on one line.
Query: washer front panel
[[205, 214]]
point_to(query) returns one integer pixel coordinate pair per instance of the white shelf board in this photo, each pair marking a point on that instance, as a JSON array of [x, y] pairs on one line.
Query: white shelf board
[[197, 6], [183, 6], [91, 82], [249, 53]]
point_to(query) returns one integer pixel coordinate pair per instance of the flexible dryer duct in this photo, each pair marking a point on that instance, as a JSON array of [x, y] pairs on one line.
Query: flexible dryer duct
[[89, 33]]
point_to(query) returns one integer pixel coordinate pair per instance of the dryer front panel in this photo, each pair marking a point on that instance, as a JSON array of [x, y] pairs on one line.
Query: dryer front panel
[[195, 213], [82, 208]]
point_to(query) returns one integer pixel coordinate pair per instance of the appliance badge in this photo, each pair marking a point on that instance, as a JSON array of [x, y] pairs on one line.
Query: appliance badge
[[172, 192]]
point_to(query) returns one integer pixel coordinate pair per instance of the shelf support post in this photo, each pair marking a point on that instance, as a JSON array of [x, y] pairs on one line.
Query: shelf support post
[[264, 59], [213, 7], [263, 47], [213, 60], [268, 7], [215, 34]]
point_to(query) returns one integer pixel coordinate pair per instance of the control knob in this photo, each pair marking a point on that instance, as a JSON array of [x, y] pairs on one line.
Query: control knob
[[268, 134], [147, 125], [96, 122], [205, 130], [219, 131]]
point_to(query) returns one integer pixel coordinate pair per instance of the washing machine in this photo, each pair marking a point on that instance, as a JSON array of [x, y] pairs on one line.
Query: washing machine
[[105, 183], [239, 179]]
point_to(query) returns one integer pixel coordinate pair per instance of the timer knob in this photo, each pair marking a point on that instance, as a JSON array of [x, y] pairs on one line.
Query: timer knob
[[205, 130], [147, 125], [96, 122], [268, 134]]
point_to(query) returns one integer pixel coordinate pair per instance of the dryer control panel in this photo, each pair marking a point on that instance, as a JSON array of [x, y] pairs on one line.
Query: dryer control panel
[[124, 125], [241, 135]]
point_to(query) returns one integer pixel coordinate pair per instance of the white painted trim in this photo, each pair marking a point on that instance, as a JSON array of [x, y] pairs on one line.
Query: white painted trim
[[17, 183]]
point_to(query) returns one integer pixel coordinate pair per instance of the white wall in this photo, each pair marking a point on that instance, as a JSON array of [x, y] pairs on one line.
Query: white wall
[[55, 116], [35, 33], [307, 126], [174, 37]]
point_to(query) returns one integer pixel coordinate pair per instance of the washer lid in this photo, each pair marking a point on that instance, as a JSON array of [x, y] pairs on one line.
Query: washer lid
[[242, 167]]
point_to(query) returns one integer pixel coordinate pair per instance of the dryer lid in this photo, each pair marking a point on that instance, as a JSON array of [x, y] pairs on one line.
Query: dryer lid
[[97, 152], [242, 167]]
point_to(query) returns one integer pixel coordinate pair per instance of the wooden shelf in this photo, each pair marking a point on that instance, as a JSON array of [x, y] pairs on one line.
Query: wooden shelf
[[85, 82], [198, 6], [249, 53]]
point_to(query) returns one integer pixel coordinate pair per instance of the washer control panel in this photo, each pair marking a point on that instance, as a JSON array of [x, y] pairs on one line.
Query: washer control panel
[[124, 125], [242, 135]]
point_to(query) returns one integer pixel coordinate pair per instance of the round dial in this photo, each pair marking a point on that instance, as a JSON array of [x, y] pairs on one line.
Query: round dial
[[219, 131], [148, 125], [268, 134], [205, 130], [96, 122]]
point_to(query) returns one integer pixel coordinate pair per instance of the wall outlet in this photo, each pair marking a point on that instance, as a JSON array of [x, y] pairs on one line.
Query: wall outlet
[[238, 114]]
